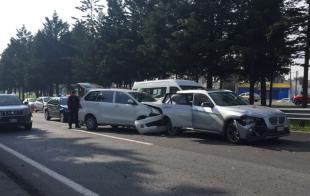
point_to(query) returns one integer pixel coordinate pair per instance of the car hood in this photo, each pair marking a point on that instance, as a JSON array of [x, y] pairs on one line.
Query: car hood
[[13, 107], [250, 110]]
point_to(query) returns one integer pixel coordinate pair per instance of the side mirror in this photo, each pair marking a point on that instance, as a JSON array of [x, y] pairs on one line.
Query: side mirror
[[131, 102], [207, 104]]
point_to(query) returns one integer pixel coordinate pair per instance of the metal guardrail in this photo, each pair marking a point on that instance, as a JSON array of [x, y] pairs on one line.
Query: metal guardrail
[[297, 113]]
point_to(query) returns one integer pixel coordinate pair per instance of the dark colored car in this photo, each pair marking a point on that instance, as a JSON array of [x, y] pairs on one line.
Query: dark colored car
[[57, 108], [298, 99], [14, 113]]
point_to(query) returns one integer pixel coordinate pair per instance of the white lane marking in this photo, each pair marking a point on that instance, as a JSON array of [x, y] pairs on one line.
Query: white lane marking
[[75, 186], [116, 138]]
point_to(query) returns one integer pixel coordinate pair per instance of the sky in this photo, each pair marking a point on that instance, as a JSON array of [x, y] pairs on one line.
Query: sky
[[31, 13]]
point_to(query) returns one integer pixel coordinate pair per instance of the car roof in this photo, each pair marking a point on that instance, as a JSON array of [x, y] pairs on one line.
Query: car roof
[[204, 91], [169, 81], [112, 89]]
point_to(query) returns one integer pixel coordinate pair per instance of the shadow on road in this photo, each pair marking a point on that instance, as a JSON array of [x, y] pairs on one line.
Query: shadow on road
[[104, 168]]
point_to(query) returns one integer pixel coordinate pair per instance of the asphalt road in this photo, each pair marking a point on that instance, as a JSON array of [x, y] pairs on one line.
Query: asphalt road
[[53, 160]]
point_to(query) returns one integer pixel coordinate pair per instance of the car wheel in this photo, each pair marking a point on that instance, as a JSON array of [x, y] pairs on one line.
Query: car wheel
[[47, 115], [28, 127], [172, 131], [232, 133], [91, 123]]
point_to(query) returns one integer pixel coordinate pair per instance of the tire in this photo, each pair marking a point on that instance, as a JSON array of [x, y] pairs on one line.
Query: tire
[[91, 123], [28, 127], [172, 131], [232, 133], [47, 115]]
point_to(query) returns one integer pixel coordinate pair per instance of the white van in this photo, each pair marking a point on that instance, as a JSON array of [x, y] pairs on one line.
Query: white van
[[158, 88]]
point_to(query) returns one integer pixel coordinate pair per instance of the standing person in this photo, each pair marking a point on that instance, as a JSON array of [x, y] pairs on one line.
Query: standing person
[[73, 107]]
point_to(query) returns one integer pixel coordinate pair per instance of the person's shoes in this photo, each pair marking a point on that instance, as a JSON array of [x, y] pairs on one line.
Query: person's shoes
[[69, 127]]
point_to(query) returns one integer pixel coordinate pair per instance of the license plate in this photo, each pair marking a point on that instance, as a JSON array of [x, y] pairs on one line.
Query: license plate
[[13, 120], [280, 128]]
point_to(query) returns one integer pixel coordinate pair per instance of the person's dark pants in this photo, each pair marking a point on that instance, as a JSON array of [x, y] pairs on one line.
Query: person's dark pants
[[74, 118]]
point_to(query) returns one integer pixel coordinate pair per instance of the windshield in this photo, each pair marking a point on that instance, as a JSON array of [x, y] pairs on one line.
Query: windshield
[[64, 101], [46, 99], [227, 99], [142, 97], [9, 100], [192, 88]]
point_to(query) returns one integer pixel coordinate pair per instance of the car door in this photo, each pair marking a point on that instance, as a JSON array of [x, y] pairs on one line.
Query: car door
[[105, 107], [126, 111], [90, 106], [53, 107], [204, 117], [178, 108]]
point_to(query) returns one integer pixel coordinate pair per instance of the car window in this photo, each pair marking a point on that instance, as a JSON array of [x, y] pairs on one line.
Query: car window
[[121, 98], [174, 89], [192, 88], [45, 99], [155, 92], [200, 99], [9, 100], [227, 99], [105, 96], [92, 96], [64, 101], [181, 99]]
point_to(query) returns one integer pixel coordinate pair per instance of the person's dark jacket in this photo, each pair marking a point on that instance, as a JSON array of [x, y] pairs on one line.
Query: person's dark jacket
[[73, 103]]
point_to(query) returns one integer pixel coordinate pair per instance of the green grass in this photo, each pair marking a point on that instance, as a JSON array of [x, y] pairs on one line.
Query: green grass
[[294, 126]]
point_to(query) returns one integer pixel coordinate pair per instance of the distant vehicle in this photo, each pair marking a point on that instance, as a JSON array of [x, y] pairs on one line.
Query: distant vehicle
[[246, 96], [57, 107], [114, 107], [30, 102], [297, 100], [218, 111], [40, 103], [284, 100], [14, 113], [158, 88]]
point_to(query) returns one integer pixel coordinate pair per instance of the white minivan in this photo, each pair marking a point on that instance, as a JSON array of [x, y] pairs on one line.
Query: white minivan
[[159, 88]]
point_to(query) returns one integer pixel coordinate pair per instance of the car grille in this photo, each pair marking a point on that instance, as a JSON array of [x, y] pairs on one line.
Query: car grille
[[11, 113], [277, 120]]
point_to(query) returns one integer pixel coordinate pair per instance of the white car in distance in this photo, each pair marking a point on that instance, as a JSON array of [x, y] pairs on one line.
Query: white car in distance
[[115, 107]]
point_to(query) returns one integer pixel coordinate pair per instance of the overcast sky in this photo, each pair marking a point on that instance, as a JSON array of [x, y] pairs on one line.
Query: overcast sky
[[32, 13]]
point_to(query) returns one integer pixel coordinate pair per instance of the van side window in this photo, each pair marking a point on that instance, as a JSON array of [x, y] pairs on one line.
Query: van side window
[[200, 99], [174, 89], [155, 92], [105, 96]]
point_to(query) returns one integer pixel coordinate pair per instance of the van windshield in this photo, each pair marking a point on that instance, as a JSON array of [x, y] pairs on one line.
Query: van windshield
[[192, 88], [142, 97]]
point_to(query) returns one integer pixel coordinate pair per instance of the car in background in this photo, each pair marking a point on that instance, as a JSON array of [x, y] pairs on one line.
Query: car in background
[[284, 100], [298, 99], [57, 107], [14, 113], [246, 96], [159, 88], [115, 107], [30, 102], [221, 112], [40, 103]]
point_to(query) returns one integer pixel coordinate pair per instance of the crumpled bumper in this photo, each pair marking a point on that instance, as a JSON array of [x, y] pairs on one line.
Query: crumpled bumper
[[253, 132], [153, 124]]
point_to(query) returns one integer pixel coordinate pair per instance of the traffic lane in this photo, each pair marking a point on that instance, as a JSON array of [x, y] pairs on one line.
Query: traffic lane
[[150, 170], [291, 152], [107, 169]]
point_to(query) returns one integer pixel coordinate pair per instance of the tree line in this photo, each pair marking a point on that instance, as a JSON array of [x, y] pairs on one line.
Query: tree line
[[133, 40]]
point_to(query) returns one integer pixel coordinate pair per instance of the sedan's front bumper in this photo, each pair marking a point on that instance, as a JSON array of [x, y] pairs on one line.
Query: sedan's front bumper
[[153, 124]]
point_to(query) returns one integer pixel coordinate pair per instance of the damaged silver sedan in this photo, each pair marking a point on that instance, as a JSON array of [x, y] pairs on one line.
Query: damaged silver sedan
[[217, 111]]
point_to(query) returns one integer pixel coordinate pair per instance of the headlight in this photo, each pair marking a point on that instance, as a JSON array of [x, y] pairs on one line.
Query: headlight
[[246, 120]]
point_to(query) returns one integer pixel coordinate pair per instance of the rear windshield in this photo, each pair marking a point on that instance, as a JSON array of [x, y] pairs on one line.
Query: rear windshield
[[192, 88], [9, 100], [142, 97]]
